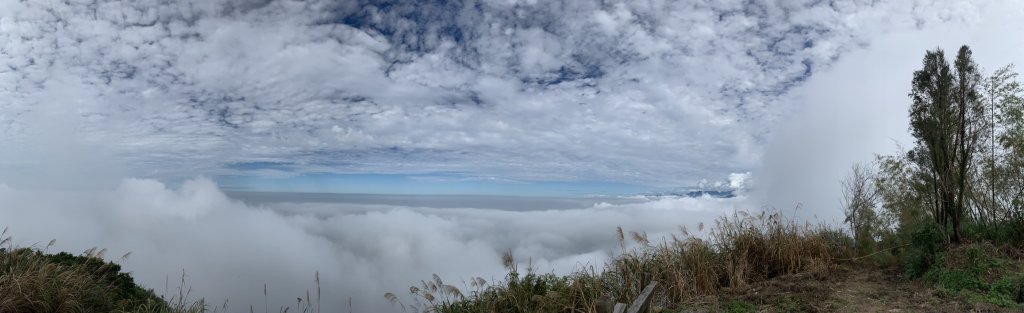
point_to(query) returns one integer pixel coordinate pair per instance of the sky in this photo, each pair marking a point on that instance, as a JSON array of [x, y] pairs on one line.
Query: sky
[[135, 125], [652, 94]]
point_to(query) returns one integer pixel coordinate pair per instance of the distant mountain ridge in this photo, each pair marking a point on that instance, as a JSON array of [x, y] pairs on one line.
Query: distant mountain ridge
[[693, 193]]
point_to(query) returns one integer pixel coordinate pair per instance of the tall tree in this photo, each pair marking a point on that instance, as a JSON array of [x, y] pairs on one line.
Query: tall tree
[[904, 187], [1011, 139], [860, 197], [944, 118], [1002, 94]]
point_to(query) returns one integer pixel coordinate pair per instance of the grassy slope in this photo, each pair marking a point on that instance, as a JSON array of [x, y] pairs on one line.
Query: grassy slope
[[739, 250], [34, 281]]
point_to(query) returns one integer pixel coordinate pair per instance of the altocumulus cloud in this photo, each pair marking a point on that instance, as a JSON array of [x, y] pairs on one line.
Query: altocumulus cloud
[[649, 92], [229, 250]]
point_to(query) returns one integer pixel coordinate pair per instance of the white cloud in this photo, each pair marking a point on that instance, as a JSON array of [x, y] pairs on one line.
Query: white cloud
[[738, 180]]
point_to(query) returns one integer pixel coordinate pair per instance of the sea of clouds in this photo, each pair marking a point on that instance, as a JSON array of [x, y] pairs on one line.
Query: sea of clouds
[[229, 249]]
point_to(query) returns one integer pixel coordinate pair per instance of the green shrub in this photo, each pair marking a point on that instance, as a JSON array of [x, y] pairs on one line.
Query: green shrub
[[1010, 231], [735, 306], [530, 292], [958, 280], [924, 245], [980, 272], [1007, 292]]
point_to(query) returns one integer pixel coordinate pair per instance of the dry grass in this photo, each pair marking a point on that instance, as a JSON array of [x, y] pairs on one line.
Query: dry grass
[[769, 245], [529, 292], [30, 282], [740, 249]]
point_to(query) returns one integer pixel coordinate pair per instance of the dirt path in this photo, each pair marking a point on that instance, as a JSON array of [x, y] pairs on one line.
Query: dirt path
[[850, 289]]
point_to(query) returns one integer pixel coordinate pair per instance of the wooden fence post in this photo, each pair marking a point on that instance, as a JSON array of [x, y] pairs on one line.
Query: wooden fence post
[[619, 308], [642, 303]]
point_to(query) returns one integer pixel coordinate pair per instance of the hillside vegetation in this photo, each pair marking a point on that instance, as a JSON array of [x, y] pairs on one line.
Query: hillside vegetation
[[32, 280]]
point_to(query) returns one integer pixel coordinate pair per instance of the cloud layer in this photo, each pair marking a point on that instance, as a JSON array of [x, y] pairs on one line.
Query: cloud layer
[[648, 92], [228, 249]]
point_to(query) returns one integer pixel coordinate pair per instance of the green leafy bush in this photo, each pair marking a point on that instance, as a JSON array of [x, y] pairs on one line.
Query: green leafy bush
[[925, 243], [739, 307]]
